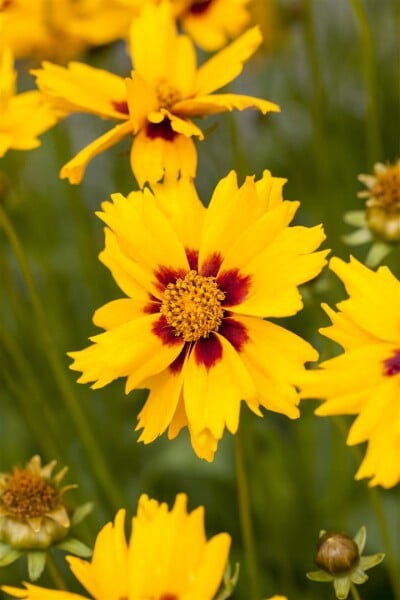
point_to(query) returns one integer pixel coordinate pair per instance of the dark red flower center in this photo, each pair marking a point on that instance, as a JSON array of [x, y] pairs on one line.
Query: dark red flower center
[[160, 130], [198, 7], [194, 307], [392, 364], [121, 106]]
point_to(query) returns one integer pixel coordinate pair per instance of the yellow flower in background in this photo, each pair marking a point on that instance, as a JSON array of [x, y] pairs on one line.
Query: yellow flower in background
[[156, 104], [63, 28], [23, 117], [212, 23], [199, 282], [167, 557], [365, 379]]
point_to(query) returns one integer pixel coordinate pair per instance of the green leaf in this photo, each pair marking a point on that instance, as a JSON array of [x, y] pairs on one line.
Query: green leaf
[[81, 512], [9, 556], [36, 564], [76, 547]]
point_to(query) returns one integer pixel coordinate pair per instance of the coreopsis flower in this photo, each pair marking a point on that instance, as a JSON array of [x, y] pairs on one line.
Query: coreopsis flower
[[379, 223], [23, 117], [33, 515], [199, 282], [212, 23], [340, 559], [62, 29], [156, 104], [365, 379], [167, 557]]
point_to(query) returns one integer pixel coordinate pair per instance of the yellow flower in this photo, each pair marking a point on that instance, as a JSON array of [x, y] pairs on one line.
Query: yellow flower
[[365, 379], [63, 28], [23, 117], [157, 102], [199, 282], [167, 558], [211, 23]]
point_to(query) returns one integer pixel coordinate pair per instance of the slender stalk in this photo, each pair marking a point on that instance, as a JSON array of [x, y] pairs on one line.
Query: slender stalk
[[369, 69], [354, 592], [376, 502], [246, 520], [319, 99], [55, 572], [93, 449]]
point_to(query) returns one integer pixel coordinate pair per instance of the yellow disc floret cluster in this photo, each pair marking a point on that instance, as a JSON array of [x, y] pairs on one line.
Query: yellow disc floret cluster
[[192, 306]]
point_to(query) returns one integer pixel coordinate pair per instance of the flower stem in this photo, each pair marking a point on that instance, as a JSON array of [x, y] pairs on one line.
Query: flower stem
[[246, 520], [55, 572], [354, 592], [87, 438], [376, 502], [370, 80]]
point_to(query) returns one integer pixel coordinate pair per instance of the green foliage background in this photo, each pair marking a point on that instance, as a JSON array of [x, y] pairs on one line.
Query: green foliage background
[[301, 473]]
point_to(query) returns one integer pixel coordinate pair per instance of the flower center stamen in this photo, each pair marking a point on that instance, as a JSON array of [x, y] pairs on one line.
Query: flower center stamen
[[192, 306], [386, 190], [392, 364], [167, 94], [28, 495]]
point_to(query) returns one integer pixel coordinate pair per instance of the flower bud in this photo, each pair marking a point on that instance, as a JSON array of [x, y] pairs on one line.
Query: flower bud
[[337, 553]]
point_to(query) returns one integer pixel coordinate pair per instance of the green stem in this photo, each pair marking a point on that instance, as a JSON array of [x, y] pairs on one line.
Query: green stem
[[319, 100], [93, 449], [245, 519], [55, 572], [376, 502], [370, 80], [354, 592]]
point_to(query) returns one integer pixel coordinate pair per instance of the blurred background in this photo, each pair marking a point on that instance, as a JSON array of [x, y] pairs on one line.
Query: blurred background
[[339, 90]]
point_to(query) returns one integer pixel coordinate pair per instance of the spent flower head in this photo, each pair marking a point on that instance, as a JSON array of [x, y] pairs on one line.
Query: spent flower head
[[33, 514], [379, 222], [341, 561], [167, 557]]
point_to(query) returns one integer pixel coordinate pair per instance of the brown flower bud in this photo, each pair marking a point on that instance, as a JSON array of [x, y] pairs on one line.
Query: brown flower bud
[[337, 553]]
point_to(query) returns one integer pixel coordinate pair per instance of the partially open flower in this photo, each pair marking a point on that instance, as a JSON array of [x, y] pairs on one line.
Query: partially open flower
[[33, 515], [379, 222], [341, 561]]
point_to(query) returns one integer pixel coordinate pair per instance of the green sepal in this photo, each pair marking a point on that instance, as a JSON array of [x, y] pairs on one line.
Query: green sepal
[[36, 564], [230, 582], [75, 547]]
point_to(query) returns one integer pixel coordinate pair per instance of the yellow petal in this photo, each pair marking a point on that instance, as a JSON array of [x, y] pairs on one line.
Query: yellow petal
[[34, 592], [227, 64], [106, 575], [134, 280], [345, 332], [75, 168], [142, 99], [131, 350], [180, 203], [119, 311], [217, 103], [211, 568], [183, 126], [276, 272], [144, 233], [153, 159], [81, 88], [275, 359], [160, 406], [152, 40], [373, 411], [213, 395], [374, 298]]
